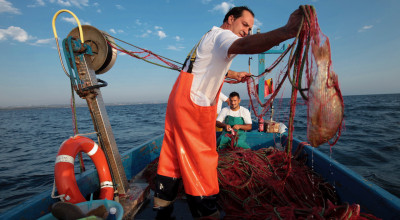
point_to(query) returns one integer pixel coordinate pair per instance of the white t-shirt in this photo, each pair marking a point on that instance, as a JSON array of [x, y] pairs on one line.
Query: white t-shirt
[[222, 98], [211, 65], [242, 112]]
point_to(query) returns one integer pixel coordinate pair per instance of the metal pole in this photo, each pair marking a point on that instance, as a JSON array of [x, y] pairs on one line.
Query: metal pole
[[261, 68], [102, 125]]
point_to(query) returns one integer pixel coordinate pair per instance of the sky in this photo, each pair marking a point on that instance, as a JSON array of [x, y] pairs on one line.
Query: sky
[[364, 37]]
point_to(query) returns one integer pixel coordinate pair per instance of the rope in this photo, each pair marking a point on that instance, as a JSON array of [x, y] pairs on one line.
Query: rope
[[300, 56], [53, 192], [75, 127], [146, 57], [141, 48], [56, 37], [86, 134]]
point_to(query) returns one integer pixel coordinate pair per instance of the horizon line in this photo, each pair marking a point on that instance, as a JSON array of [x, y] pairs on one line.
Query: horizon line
[[127, 103]]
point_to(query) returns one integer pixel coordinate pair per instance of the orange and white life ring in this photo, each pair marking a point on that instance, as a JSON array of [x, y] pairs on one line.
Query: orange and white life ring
[[64, 169]]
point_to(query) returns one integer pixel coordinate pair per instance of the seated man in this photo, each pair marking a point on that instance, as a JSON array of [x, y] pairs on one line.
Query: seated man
[[234, 118]]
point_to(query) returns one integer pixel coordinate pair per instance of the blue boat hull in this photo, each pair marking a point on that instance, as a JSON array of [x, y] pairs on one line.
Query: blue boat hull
[[350, 186]]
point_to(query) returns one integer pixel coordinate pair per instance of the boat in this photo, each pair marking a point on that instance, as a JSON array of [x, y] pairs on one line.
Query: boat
[[349, 186]]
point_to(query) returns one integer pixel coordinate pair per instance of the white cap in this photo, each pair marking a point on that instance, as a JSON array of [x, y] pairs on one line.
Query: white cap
[[113, 210]]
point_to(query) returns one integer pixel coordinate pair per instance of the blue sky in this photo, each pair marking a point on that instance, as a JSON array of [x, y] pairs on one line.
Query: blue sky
[[364, 36]]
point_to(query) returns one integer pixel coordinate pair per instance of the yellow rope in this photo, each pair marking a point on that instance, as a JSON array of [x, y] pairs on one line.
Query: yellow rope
[[56, 37], [76, 19]]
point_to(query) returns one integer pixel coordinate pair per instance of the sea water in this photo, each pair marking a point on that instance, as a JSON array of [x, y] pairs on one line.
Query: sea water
[[30, 139]]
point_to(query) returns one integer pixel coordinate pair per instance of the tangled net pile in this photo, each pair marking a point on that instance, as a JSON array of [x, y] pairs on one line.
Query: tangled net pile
[[262, 184]]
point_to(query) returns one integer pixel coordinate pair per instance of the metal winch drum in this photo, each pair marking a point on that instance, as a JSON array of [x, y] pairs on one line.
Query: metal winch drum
[[104, 55]]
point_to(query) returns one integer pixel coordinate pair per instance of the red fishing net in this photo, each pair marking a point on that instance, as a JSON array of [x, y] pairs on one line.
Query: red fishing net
[[309, 71], [325, 101], [265, 184]]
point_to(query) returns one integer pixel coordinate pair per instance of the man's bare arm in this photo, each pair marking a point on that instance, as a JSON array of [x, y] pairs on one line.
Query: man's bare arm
[[246, 127], [258, 43]]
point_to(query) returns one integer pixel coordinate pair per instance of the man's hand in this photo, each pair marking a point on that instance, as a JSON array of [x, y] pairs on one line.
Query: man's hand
[[293, 24], [228, 101], [228, 128], [237, 127], [242, 76], [239, 76]]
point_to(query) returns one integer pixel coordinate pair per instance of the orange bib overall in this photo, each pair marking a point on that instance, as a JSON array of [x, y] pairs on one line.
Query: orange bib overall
[[189, 146]]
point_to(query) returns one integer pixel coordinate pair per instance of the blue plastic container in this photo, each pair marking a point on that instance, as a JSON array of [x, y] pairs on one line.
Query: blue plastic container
[[89, 205]]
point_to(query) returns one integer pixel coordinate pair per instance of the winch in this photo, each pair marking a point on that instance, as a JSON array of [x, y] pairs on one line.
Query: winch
[[104, 55]]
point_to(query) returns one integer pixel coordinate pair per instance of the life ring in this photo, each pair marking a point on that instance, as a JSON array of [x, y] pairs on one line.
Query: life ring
[[64, 169]]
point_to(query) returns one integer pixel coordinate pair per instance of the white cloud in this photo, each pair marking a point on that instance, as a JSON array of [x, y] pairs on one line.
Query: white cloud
[[98, 10], [205, 1], [146, 34], [15, 33], [64, 3], [176, 48], [41, 42], [44, 41], [20, 35], [73, 21], [120, 7], [257, 24], [161, 34], [158, 28], [7, 7], [77, 3], [112, 30], [96, 4], [37, 3], [177, 38], [223, 7], [366, 27], [138, 22], [40, 2]]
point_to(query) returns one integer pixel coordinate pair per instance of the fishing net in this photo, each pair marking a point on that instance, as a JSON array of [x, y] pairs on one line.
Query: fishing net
[[254, 184], [325, 101], [309, 71]]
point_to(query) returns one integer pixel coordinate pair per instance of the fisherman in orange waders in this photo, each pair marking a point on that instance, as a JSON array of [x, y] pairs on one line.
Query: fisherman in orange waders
[[188, 151]]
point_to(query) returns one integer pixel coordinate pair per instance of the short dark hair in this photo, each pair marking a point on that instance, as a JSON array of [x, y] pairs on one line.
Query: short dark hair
[[233, 94], [237, 12]]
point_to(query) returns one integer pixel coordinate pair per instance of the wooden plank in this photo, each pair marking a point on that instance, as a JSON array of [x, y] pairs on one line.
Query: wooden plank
[[138, 193]]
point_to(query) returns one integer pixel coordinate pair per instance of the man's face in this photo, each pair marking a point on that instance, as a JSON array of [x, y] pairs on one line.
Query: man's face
[[235, 101], [242, 26]]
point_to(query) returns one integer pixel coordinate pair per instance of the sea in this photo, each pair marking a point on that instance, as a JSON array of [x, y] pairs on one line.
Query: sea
[[30, 139]]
